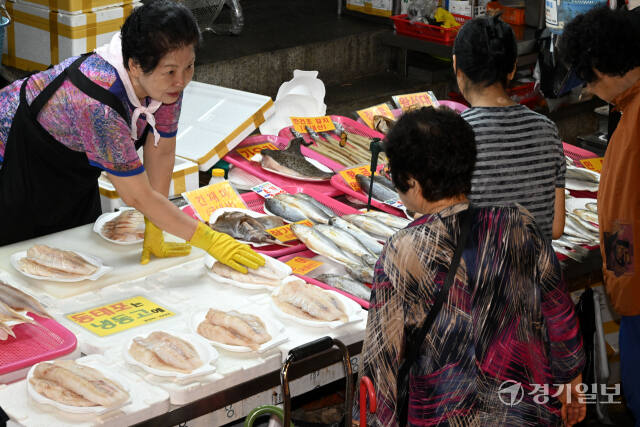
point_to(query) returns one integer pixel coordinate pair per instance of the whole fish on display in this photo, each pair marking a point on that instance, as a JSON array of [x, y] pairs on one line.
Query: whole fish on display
[[327, 210], [241, 226], [318, 243], [276, 206], [388, 219], [347, 243], [360, 273], [381, 190], [291, 162], [370, 225], [310, 210], [346, 284], [369, 242]]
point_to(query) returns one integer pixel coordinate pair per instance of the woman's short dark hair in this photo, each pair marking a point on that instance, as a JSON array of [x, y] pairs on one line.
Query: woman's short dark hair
[[155, 29], [486, 50], [434, 146], [604, 39]]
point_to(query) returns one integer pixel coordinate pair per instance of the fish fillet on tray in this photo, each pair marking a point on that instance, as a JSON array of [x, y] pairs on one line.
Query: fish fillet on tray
[[269, 276], [237, 330], [45, 263], [310, 305], [77, 388], [125, 227], [174, 354]]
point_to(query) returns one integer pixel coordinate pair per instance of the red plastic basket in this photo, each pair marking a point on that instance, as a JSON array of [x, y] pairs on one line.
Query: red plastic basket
[[433, 33], [34, 343], [310, 254], [254, 169]]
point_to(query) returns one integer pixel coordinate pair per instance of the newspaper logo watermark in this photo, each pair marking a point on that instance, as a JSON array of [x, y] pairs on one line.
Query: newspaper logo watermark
[[511, 393]]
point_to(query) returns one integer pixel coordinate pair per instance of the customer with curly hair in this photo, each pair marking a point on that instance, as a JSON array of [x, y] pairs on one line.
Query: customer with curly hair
[[507, 316], [602, 47], [520, 155]]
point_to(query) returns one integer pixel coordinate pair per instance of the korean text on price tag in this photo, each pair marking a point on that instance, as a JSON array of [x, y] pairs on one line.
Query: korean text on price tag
[[302, 266], [284, 233], [395, 203], [377, 110], [267, 190], [119, 316], [318, 124], [415, 100], [207, 199], [594, 164], [251, 150], [349, 176]]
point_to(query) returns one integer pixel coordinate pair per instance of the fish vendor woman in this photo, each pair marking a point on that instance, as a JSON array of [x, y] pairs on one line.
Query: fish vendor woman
[[60, 128]]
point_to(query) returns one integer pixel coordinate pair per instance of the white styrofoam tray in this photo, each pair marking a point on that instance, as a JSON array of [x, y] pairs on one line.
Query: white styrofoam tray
[[212, 114], [146, 402]]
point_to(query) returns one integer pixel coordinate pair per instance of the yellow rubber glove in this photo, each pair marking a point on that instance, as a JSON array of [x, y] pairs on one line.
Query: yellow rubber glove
[[154, 244], [226, 249]]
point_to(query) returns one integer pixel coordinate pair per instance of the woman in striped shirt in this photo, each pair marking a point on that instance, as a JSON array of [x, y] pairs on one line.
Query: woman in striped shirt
[[520, 155]]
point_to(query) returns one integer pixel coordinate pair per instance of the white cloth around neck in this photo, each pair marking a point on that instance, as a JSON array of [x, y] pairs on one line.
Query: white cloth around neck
[[112, 53]]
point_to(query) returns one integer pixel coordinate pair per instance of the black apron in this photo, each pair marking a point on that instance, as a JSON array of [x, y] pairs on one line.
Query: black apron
[[46, 187]]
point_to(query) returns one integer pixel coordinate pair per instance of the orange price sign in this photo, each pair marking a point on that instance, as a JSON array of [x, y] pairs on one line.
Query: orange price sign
[[594, 164], [377, 110], [251, 150], [207, 199], [302, 266], [349, 176], [318, 124], [284, 233], [413, 100]]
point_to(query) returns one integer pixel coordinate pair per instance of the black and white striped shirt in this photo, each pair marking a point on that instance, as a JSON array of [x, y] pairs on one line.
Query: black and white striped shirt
[[520, 160]]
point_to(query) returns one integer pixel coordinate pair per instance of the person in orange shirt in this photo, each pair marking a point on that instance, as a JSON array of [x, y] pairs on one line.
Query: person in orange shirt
[[601, 46]]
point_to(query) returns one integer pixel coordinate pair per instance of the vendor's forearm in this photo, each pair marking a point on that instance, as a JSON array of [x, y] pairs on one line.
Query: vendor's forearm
[[166, 215], [159, 162]]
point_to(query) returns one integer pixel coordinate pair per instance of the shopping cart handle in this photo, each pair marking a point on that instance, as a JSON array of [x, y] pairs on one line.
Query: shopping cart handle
[[366, 389], [309, 349]]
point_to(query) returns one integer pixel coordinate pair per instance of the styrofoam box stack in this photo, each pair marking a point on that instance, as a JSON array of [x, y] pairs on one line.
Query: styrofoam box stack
[[464, 8], [184, 178], [38, 36]]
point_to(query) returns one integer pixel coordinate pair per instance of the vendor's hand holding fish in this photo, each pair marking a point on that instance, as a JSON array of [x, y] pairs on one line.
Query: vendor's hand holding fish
[[154, 244], [226, 249]]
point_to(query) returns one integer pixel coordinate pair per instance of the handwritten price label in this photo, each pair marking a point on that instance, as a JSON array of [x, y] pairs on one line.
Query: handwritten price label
[[318, 124], [284, 233], [119, 316], [377, 110], [302, 266], [251, 150], [594, 164], [349, 176], [415, 100], [207, 199], [267, 190]]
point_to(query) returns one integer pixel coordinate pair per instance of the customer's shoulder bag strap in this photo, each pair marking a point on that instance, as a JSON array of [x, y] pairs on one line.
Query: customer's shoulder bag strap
[[417, 339]]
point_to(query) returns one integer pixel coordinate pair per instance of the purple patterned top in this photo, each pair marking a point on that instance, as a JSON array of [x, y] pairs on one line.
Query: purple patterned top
[[508, 317], [83, 124]]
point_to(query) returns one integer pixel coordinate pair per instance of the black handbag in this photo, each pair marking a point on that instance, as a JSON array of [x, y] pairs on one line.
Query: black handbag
[[413, 341]]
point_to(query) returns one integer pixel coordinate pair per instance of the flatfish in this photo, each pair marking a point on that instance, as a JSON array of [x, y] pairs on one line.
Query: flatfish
[[241, 226], [306, 301], [291, 162], [164, 351], [234, 328]]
